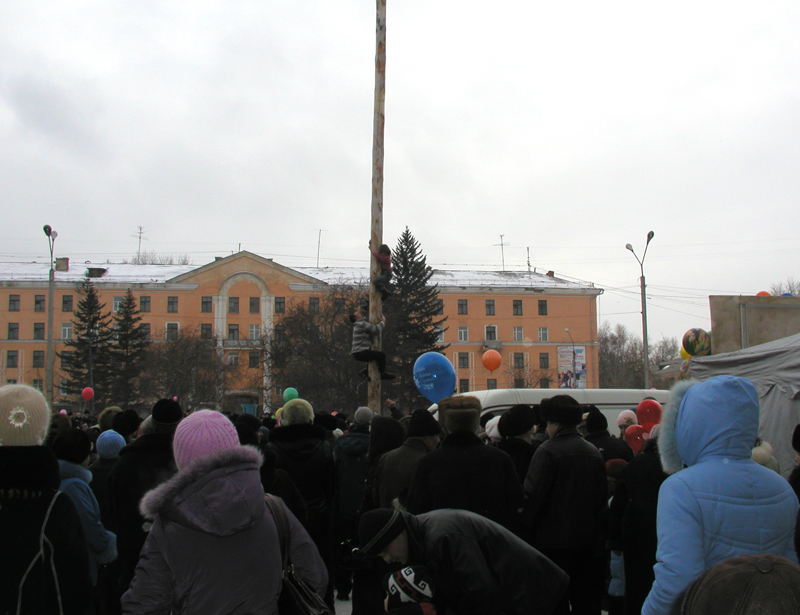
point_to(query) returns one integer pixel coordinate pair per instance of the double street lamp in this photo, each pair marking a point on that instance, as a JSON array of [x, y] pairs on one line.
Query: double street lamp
[[51, 239], [645, 350], [574, 382]]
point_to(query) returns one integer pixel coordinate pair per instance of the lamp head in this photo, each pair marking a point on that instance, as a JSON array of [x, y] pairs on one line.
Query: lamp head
[[47, 229], [650, 236], [629, 247], [566, 329]]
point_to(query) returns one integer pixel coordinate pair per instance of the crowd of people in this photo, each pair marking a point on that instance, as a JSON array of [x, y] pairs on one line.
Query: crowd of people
[[540, 510]]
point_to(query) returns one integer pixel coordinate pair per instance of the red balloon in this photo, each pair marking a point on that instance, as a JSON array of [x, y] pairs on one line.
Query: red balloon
[[635, 436], [648, 427], [763, 293], [648, 411], [491, 360], [87, 393]]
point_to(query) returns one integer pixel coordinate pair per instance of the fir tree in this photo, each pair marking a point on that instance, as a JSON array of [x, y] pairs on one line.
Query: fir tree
[[88, 362], [127, 353], [413, 324]]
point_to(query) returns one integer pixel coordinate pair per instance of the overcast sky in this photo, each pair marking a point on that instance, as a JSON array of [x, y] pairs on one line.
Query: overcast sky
[[569, 129]]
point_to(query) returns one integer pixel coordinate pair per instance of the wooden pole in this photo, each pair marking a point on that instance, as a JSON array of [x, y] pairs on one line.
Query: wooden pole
[[376, 231]]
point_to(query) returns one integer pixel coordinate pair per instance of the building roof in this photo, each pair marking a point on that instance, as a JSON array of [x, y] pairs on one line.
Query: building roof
[[126, 273]]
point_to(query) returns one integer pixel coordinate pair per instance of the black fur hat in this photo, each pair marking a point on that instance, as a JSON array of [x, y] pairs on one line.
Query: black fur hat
[[516, 421], [561, 409]]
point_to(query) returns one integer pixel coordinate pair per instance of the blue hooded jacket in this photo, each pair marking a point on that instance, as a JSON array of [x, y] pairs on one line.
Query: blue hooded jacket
[[722, 504]]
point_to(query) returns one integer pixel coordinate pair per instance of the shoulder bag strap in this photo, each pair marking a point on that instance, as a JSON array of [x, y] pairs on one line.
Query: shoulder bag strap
[[281, 524]]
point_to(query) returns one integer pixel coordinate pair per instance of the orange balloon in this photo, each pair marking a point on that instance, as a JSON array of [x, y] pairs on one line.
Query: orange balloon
[[763, 293], [491, 360]]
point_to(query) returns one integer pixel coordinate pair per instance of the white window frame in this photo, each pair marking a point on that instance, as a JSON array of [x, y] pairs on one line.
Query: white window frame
[[233, 359], [544, 335], [177, 329], [254, 332], [486, 333], [518, 334], [66, 330], [439, 335], [117, 304], [463, 334]]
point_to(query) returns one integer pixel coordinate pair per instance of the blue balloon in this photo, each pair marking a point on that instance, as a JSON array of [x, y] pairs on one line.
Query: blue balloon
[[787, 295], [434, 376]]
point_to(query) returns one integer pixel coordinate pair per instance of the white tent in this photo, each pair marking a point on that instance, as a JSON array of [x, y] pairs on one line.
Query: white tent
[[774, 369]]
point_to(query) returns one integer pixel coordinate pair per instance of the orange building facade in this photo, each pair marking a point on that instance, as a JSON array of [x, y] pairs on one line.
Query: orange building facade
[[544, 328]]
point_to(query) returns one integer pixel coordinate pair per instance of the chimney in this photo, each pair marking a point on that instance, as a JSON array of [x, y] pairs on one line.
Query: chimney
[[551, 274], [62, 263], [95, 272]]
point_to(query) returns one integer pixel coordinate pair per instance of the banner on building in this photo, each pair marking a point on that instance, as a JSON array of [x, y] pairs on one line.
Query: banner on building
[[571, 370]]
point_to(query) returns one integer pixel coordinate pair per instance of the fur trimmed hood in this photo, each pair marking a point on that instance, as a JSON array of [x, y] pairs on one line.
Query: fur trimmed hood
[[715, 418], [219, 494]]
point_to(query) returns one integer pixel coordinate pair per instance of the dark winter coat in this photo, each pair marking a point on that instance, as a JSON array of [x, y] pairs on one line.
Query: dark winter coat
[[521, 454], [609, 447], [395, 470], [464, 473], [352, 466], [39, 525], [213, 546], [567, 491], [102, 543], [278, 482], [101, 469], [143, 465], [478, 567]]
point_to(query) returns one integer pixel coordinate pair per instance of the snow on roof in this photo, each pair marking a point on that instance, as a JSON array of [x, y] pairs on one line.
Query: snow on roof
[[126, 273]]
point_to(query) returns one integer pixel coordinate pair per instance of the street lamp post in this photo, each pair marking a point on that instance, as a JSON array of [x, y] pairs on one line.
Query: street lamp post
[[51, 239], [574, 373], [645, 350]]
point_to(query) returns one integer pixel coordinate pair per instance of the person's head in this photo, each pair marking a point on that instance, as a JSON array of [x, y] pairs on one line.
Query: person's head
[[625, 419], [460, 413], [382, 533], [126, 424], [746, 585], [106, 417], [73, 445], [560, 411], [384, 250], [385, 434], [108, 444], [166, 415], [595, 420], [202, 434], [363, 417], [422, 424], [297, 412], [24, 416], [518, 422], [492, 431]]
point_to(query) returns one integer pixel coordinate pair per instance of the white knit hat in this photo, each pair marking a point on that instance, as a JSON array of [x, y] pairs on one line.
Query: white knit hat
[[24, 416]]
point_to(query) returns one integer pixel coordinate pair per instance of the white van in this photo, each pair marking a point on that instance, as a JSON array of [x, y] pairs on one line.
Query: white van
[[609, 401]]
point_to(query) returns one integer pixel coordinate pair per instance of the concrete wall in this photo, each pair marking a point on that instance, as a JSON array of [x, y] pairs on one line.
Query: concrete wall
[[741, 321]]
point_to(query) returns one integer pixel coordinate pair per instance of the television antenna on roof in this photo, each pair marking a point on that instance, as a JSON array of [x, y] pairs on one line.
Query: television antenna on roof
[[502, 245]]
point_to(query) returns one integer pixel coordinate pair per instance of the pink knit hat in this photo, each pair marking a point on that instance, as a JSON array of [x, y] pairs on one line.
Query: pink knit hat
[[201, 434]]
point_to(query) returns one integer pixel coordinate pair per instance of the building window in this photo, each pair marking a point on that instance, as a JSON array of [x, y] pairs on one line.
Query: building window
[[253, 359], [463, 360], [63, 388], [172, 330], [517, 307], [13, 330], [38, 303], [313, 305], [462, 307], [463, 334], [280, 305], [518, 334], [280, 333], [66, 359], [206, 332], [439, 335], [233, 332], [338, 305], [439, 307], [542, 307], [233, 305], [144, 303], [544, 383], [12, 358], [519, 383], [205, 305], [491, 383], [544, 360], [66, 303], [66, 330], [519, 360], [490, 307], [491, 333], [38, 330], [172, 305], [255, 305], [543, 336], [38, 384], [233, 359], [145, 329], [11, 381], [38, 358], [255, 332], [13, 303], [463, 385], [117, 304]]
